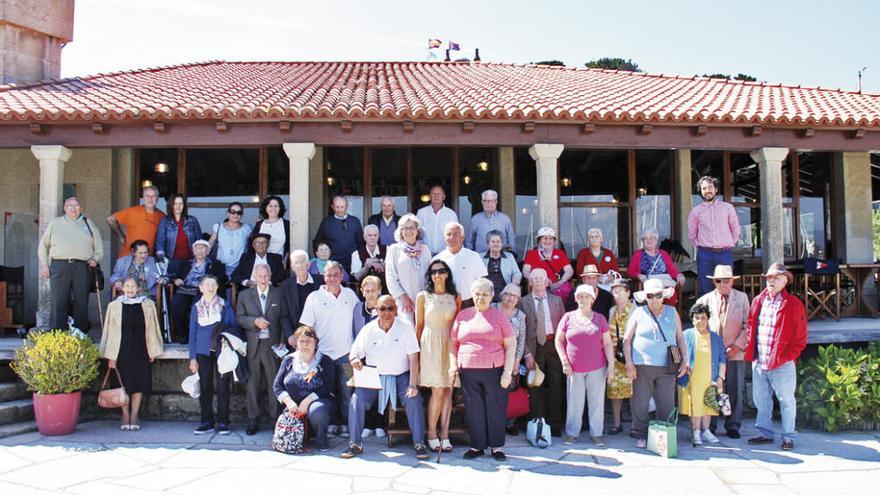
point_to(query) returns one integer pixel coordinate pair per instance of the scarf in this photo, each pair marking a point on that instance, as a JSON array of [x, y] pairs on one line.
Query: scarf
[[414, 252], [131, 300], [209, 312], [302, 368]]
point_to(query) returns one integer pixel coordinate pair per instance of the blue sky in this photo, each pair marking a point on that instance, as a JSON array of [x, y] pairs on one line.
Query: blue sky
[[805, 42]]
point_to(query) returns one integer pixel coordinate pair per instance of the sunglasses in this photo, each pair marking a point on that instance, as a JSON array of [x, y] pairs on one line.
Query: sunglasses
[[234, 212], [654, 296], [386, 308], [439, 271], [723, 281]]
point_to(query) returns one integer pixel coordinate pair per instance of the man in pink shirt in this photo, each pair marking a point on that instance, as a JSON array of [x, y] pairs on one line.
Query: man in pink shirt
[[713, 228]]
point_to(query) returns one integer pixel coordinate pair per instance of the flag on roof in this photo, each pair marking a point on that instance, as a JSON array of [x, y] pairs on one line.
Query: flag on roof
[[454, 46], [434, 43]]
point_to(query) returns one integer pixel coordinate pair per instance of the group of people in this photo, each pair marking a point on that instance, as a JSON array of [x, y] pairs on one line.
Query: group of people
[[433, 308]]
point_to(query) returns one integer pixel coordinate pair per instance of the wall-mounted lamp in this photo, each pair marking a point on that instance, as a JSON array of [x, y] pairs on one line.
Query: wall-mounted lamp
[[566, 182], [483, 166], [331, 181], [466, 179], [425, 198], [161, 168], [146, 183], [642, 191]]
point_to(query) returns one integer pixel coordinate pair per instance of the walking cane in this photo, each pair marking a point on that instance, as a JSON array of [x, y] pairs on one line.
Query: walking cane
[[98, 300], [166, 321]]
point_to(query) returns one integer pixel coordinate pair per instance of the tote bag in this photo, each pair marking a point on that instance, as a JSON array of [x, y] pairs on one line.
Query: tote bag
[[663, 436]]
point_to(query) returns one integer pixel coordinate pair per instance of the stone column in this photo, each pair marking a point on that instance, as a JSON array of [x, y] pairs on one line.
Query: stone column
[[769, 162], [507, 183], [52, 159], [851, 174], [683, 191], [545, 156], [299, 154]]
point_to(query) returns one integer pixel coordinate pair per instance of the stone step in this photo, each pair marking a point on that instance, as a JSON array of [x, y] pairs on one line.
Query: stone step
[[18, 428], [13, 391], [16, 410]]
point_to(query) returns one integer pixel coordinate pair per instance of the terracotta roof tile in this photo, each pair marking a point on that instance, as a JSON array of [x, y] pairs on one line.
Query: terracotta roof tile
[[428, 91]]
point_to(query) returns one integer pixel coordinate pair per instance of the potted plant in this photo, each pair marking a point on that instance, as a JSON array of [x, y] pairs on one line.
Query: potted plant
[[56, 366]]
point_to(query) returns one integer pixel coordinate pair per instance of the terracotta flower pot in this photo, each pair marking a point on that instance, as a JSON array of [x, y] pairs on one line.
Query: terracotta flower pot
[[57, 414]]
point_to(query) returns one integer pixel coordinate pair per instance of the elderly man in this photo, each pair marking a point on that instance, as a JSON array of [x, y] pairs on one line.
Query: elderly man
[[713, 229], [186, 280], [330, 311], [488, 220], [140, 222], [603, 302], [728, 317], [466, 265], [543, 311], [258, 312], [777, 334], [243, 276], [70, 246], [434, 218], [369, 259], [388, 343], [342, 233], [386, 220], [295, 289]]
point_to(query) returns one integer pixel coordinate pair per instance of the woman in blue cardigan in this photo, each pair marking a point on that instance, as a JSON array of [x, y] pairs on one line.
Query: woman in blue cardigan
[[708, 363], [305, 381], [209, 311]]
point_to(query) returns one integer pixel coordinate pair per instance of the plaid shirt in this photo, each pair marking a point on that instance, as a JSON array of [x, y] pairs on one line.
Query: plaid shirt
[[766, 329]]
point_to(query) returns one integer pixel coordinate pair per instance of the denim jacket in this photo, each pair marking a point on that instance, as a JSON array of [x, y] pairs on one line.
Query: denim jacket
[[166, 235]]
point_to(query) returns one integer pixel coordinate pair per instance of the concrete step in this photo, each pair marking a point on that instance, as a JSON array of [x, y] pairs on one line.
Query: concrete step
[[13, 391], [18, 428], [16, 410]]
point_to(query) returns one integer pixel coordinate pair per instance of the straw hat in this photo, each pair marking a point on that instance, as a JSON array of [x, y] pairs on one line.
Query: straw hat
[[779, 269], [723, 272], [653, 286], [590, 271], [535, 378]]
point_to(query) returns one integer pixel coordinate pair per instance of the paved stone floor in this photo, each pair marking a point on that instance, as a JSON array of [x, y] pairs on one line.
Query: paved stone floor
[[165, 457]]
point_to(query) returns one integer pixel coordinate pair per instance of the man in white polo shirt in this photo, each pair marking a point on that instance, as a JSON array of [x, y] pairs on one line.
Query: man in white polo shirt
[[388, 343], [329, 310], [466, 265]]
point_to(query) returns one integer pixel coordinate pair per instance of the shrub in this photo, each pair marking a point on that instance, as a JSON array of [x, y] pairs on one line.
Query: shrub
[[56, 362]]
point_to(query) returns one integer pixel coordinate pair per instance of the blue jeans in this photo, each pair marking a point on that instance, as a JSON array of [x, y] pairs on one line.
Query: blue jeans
[[706, 262], [319, 419], [782, 381], [365, 398]]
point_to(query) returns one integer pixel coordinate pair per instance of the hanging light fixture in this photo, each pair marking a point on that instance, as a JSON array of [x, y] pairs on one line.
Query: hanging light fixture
[[331, 181], [466, 179], [425, 198], [146, 183], [161, 168], [566, 182], [483, 166]]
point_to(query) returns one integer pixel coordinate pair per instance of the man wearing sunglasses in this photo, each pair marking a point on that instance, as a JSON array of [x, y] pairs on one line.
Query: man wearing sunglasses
[[729, 315]]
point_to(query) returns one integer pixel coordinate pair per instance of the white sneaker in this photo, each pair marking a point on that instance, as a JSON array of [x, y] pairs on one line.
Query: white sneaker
[[380, 433], [696, 439], [709, 437], [331, 430], [367, 432]]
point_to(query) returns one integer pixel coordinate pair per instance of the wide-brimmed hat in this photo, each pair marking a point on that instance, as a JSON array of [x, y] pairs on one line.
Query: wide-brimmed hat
[[620, 282], [653, 286], [590, 270], [585, 288], [723, 272], [535, 377], [544, 232], [779, 269]]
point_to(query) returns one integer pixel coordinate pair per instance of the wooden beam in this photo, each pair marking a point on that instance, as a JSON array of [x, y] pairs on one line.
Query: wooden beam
[[408, 126], [468, 127], [588, 128], [701, 130], [345, 125], [808, 132], [159, 127], [529, 127], [858, 134], [646, 129], [222, 126], [755, 131], [284, 126], [36, 128], [98, 128]]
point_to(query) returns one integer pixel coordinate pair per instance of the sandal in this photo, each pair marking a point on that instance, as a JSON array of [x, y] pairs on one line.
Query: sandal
[[434, 444], [615, 430], [446, 445]]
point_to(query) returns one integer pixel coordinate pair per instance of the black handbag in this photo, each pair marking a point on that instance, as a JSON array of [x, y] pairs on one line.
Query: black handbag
[[96, 275], [618, 349]]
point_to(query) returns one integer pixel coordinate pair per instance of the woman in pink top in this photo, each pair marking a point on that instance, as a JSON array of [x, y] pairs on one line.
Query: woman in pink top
[[482, 351], [584, 347]]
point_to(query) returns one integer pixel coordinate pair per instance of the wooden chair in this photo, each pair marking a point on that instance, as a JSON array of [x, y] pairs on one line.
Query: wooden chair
[[821, 288], [396, 426]]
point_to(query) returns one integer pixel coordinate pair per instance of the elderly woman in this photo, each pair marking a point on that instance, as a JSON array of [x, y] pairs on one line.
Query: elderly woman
[[584, 347], [305, 383], [272, 222], [436, 308], [231, 237], [595, 254], [209, 311], [650, 331], [406, 264], [130, 342], [501, 266], [140, 266], [483, 348], [322, 256], [364, 312], [510, 296], [708, 363], [620, 387], [554, 261], [653, 262], [177, 232], [186, 279]]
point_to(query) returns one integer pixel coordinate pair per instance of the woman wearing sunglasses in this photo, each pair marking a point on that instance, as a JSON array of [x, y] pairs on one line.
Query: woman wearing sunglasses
[[650, 331], [231, 237]]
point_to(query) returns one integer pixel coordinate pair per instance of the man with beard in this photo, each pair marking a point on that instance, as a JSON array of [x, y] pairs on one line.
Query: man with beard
[[713, 229]]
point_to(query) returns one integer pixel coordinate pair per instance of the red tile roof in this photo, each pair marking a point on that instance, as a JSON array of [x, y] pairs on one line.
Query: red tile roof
[[433, 91]]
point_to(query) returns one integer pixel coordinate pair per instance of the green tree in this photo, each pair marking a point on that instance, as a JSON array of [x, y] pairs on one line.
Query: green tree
[[745, 77], [738, 77], [550, 62], [614, 63]]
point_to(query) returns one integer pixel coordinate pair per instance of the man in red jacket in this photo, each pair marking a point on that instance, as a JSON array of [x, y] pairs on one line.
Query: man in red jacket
[[777, 334]]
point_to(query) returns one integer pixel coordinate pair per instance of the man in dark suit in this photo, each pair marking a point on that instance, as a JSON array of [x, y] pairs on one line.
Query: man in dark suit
[[543, 311], [294, 292], [258, 313], [386, 220], [243, 276]]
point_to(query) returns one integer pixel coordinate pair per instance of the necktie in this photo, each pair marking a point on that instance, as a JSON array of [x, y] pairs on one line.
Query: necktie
[[263, 302], [542, 327], [722, 315]]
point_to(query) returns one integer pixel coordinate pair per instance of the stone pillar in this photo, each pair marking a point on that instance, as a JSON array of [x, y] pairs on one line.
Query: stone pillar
[[683, 190], [769, 162], [507, 183], [52, 159], [545, 156], [300, 155], [851, 174]]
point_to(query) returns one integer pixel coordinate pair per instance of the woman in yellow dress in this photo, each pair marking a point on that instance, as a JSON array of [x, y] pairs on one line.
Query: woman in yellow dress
[[621, 386], [708, 363]]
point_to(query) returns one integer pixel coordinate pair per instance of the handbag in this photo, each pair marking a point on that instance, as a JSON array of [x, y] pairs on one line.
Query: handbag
[[663, 436], [112, 398], [517, 403], [96, 275], [538, 433], [724, 407], [618, 349], [289, 436], [672, 351]]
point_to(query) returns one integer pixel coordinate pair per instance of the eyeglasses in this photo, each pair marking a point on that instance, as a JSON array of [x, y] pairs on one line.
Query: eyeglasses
[[386, 308], [654, 296], [723, 281], [439, 271], [235, 212]]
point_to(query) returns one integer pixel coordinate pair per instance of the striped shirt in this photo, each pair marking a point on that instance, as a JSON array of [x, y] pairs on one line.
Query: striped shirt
[[767, 328]]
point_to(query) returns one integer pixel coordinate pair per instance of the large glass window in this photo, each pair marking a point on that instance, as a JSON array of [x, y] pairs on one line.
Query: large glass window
[[215, 177], [477, 171], [575, 221], [526, 189], [431, 166], [278, 168], [389, 172], [344, 174], [706, 163], [158, 167], [653, 191], [814, 204]]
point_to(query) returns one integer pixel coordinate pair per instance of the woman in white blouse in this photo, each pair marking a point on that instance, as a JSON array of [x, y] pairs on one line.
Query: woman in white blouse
[[406, 263]]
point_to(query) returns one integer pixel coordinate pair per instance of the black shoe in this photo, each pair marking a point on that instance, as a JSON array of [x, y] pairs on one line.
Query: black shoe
[[512, 430], [421, 451], [614, 430], [204, 428], [353, 450], [473, 454], [733, 434], [499, 455], [222, 429], [252, 429], [760, 440], [787, 444]]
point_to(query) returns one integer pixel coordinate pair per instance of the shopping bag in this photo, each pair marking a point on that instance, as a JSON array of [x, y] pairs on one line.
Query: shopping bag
[[538, 433], [663, 436], [517, 403]]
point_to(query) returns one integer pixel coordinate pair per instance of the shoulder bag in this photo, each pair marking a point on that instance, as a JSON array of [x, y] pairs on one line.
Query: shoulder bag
[[672, 350]]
